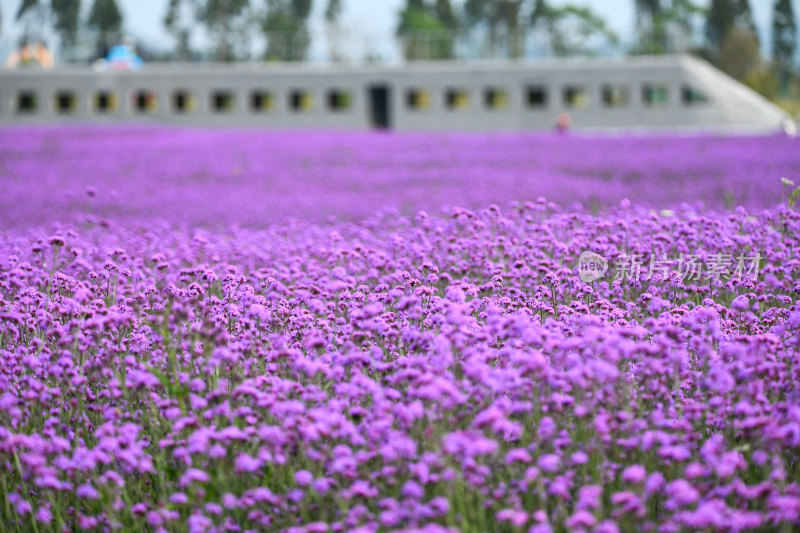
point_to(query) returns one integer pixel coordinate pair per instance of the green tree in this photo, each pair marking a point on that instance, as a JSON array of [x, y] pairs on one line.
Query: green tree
[[66, 14], [739, 56], [226, 22], [732, 41], [444, 12], [32, 16], [178, 21], [424, 35], [719, 21], [333, 31], [649, 25], [722, 17], [285, 27], [571, 29], [333, 10], [106, 18], [502, 19], [301, 9], [733, 46], [27, 6], [784, 41], [663, 26], [683, 13], [62, 15], [744, 17], [428, 30]]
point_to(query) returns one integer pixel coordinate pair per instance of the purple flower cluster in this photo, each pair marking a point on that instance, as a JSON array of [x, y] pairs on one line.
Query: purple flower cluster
[[435, 372], [446, 371]]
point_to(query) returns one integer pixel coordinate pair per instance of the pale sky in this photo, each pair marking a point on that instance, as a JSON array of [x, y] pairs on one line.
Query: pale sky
[[366, 21]]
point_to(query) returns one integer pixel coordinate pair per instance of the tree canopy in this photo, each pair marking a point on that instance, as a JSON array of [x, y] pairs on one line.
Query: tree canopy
[[333, 10], [63, 15], [723, 16], [424, 34], [178, 21], [784, 40], [663, 26], [285, 27], [105, 16], [221, 18], [570, 27]]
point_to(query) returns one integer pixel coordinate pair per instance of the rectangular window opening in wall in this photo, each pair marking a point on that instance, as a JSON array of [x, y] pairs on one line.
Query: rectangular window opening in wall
[[417, 99], [222, 101], [260, 101], [144, 101], [456, 99], [536, 97], [105, 101], [66, 102], [300, 101], [692, 96], [615, 95], [655, 95], [496, 98], [182, 101], [338, 100], [575, 96], [27, 102]]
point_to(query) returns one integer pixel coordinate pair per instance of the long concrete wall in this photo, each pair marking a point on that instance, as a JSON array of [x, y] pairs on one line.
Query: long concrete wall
[[637, 93]]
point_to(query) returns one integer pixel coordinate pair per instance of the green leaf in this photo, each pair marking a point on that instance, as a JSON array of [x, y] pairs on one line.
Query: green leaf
[[793, 197]]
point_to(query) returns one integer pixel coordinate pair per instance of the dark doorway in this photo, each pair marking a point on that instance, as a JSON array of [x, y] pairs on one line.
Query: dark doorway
[[380, 106]]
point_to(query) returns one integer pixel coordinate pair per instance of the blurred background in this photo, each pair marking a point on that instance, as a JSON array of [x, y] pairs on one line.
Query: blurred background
[[754, 41]]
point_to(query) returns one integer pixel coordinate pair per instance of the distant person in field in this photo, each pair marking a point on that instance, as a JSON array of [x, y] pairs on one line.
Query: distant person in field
[[563, 122], [122, 57], [30, 54]]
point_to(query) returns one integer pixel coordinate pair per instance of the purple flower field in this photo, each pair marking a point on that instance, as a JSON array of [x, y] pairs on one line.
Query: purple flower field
[[202, 177], [426, 344]]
